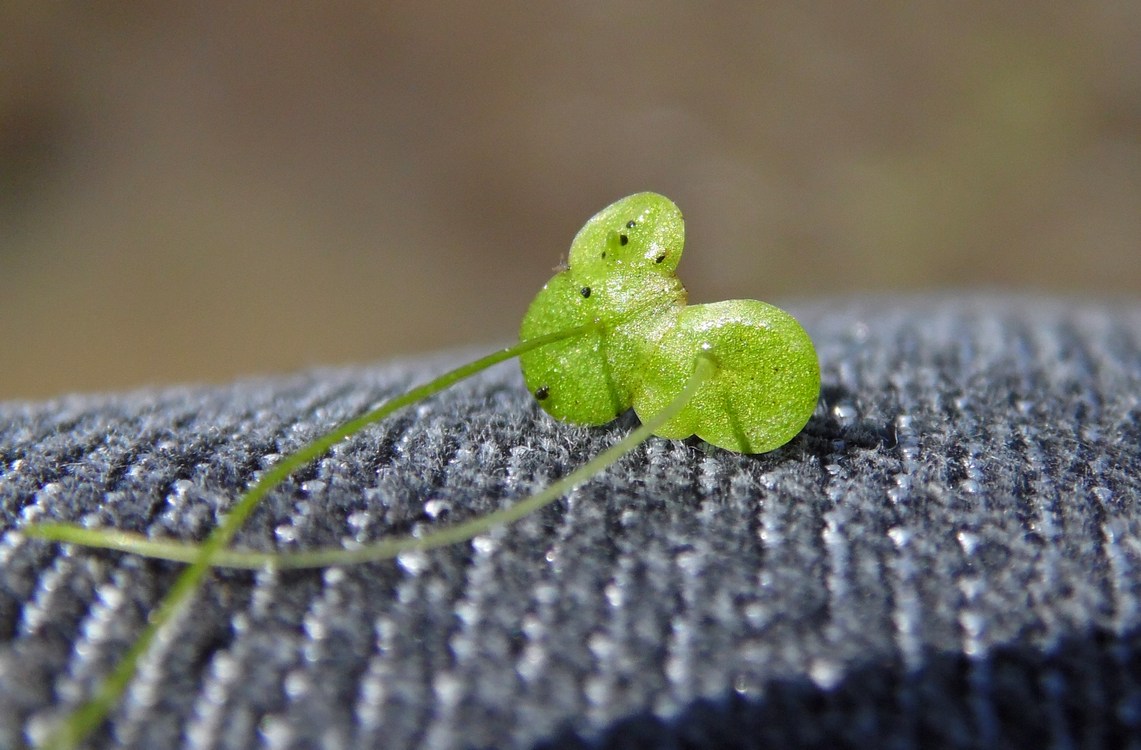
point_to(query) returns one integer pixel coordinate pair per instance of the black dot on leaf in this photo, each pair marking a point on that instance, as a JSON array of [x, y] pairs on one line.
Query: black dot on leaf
[[542, 393], [585, 291]]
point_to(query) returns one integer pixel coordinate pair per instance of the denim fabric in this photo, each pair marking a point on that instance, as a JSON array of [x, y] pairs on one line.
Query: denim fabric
[[948, 556]]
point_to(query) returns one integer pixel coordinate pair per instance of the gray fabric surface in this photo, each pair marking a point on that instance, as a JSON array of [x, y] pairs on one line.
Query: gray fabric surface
[[948, 556]]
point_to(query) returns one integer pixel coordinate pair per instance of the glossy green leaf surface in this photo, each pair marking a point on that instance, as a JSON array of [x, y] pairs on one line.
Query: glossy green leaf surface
[[642, 339]]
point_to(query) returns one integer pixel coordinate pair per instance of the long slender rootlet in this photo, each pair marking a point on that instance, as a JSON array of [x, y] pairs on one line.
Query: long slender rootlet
[[609, 332]]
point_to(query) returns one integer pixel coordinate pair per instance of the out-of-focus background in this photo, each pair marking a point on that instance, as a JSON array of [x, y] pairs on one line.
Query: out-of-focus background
[[192, 192]]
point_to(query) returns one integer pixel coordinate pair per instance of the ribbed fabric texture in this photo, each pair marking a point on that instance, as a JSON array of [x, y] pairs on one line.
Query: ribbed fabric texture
[[948, 556]]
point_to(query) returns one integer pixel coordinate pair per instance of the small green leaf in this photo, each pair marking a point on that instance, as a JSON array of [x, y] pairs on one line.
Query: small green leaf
[[643, 231], [620, 280], [763, 391], [642, 341]]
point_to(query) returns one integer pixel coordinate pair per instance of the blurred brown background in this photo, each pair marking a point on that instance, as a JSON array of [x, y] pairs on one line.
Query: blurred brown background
[[193, 192]]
